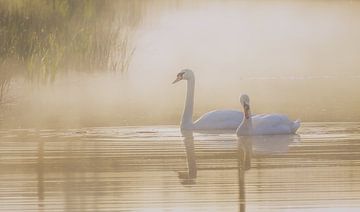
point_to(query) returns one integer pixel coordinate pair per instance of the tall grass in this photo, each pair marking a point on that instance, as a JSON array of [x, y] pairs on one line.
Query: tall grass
[[45, 37]]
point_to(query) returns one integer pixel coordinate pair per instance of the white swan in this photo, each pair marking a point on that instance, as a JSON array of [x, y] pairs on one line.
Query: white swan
[[213, 120], [264, 124]]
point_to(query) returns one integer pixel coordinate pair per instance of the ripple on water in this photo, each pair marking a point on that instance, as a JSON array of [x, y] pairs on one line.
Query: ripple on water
[[155, 167]]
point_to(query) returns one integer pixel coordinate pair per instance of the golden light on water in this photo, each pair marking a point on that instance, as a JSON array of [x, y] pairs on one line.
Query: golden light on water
[[149, 169], [104, 134]]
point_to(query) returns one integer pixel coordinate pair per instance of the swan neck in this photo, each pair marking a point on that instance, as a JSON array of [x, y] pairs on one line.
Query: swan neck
[[186, 121], [248, 118], [245, 128], [248, 114]]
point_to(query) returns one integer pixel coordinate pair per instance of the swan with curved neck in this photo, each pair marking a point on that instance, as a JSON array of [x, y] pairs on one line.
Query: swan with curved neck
[[213, 120], [264, 124]]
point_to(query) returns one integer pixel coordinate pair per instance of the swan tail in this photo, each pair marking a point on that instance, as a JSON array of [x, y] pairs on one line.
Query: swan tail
[[295, 126]]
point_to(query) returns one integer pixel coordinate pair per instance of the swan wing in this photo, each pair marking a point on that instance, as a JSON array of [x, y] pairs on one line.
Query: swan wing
[[274, 124], [219, 119]]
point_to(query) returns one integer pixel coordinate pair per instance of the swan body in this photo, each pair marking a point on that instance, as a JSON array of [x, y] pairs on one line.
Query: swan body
[[264, 124], [213, 120], [219, 120]]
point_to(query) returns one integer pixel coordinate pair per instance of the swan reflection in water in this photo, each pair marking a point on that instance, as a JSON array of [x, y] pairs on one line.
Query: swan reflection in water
[[253, 146], [268, 145], [189, 177], [248, 147]]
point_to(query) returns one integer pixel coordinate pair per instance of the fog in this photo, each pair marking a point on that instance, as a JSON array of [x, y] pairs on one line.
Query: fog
[[299, 58]]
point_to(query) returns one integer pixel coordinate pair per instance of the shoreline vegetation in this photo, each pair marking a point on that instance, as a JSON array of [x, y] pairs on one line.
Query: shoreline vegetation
[[43, 38], [65, 63]]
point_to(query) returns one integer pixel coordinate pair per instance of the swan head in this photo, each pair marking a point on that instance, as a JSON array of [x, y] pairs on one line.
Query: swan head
[[245, 102], [184, 74]]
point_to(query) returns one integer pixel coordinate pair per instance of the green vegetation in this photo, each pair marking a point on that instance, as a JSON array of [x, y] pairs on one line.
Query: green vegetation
[[40, 38]]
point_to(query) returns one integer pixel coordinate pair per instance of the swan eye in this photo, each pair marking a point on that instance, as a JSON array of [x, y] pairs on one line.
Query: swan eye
[[181, 74]]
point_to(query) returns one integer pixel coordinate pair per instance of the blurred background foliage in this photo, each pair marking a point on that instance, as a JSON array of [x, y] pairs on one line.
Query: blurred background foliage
[[42, 38]]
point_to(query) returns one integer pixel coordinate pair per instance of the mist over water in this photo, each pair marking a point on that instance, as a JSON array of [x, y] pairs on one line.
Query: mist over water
[[297, 58], [93, 123]]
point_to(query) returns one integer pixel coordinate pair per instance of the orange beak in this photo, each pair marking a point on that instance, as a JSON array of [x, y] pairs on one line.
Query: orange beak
[[178, 78]]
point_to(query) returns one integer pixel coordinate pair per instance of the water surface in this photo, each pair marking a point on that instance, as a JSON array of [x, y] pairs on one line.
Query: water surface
[[158, 168]]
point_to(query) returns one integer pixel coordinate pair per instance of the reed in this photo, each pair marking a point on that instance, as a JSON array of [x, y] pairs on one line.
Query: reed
[[46, 37]]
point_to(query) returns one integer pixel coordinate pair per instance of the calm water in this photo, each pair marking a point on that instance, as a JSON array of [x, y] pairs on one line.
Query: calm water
[[158, 168]]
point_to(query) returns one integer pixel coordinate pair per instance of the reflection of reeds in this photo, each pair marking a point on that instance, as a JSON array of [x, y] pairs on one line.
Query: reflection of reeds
[[49, 36], [4, 85], [5, 79]]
